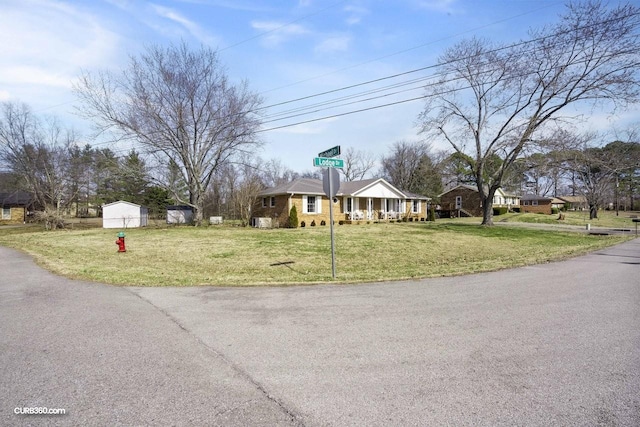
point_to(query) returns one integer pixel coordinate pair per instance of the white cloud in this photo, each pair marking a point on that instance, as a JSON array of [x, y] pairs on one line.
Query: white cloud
[[275, 33], [356, 14], [334, 44], [192, 28], [4, 95], [46, 43], [445, 6]]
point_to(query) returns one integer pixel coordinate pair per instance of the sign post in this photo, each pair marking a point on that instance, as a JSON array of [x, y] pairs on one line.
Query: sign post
[[330, 185]]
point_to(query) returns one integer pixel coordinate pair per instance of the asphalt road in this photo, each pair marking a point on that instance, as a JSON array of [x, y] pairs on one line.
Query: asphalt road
[[554, 344]]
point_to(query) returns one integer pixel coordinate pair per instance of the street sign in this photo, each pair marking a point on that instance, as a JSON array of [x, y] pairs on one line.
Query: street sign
[[330, 182], [331, 152], [328, 163]]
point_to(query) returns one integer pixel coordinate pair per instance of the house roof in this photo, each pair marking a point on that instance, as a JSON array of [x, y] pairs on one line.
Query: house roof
[[475, 188], [535, 197], [347, 188], [573, 199], [16, 198], [297, 186]]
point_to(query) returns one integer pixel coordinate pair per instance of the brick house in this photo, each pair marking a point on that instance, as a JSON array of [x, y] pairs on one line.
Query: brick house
[[576, 203], [15, 207], [464, 200], [366, 200], [536, 204]]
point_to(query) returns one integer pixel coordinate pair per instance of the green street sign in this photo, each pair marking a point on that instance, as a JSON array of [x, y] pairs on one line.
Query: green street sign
[[331, 152], [324, 162]]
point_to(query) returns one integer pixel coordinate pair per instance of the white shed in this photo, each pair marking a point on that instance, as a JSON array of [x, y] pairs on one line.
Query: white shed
[[179, 215], [123, 214]]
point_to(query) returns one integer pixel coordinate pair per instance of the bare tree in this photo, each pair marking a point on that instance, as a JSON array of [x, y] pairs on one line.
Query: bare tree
[[497, 101], [409, 166], [275, 173], [180, 105], [38, 153], [357, 164], [245, 197]]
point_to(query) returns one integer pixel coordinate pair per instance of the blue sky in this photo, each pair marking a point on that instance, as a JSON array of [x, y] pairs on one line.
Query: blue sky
[[284, 49]]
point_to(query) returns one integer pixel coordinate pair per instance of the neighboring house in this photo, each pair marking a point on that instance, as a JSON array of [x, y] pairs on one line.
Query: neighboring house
[[576, 203], [123, 214], [536, 204], [15, 207], [366, 200], [557, 203], [179, 214], [464, 200]]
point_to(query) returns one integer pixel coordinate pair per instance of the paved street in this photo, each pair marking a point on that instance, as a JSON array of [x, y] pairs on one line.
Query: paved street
[[554, 344]]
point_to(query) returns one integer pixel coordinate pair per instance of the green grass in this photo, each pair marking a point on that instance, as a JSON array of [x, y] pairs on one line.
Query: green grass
[[237, 256], [579, 218]]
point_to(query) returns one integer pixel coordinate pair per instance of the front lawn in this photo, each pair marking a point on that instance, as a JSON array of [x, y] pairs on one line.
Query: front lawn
[[237, 256]]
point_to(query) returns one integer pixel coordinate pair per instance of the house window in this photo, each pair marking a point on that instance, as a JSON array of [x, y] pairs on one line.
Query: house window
[[415, 206], [534, 203], [264, 202], [6, 213], [311, 204], [273, 202]]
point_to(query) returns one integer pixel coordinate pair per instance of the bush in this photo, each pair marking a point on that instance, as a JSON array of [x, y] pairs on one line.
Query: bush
[[341, 222], [500, 210], [555, 211], [303, 224], [323, 222], [52, 220], [516, 209], [313, 223], [293, 217]]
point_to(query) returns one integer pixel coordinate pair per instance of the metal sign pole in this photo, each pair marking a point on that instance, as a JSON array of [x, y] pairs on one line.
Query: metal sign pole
[[333, 245]]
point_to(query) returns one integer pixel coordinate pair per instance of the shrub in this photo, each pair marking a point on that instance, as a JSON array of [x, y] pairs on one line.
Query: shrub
[[293, 217], [303, 224], [341, 222], [500, 210], [313, 223], [555, 211], [51, 219], [323, 222], [516, 209]]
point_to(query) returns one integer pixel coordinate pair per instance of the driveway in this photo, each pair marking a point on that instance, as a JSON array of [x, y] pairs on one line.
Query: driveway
[[554, 344]]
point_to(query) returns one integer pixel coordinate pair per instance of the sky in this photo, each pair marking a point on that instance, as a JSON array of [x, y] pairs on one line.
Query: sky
[[285, 50]]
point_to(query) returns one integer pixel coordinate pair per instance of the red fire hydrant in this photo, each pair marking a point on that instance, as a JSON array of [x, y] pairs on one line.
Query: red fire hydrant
[[120, 242]]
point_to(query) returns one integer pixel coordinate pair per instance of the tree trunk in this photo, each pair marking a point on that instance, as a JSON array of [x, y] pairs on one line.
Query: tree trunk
[[487, 210], [593, 212]]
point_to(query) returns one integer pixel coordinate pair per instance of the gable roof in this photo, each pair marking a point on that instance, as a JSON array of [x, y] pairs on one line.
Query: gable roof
[[121, 202], [347, 188], [460, 186], [573, 199], [475, 188], [16, 198], [297, 186]]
